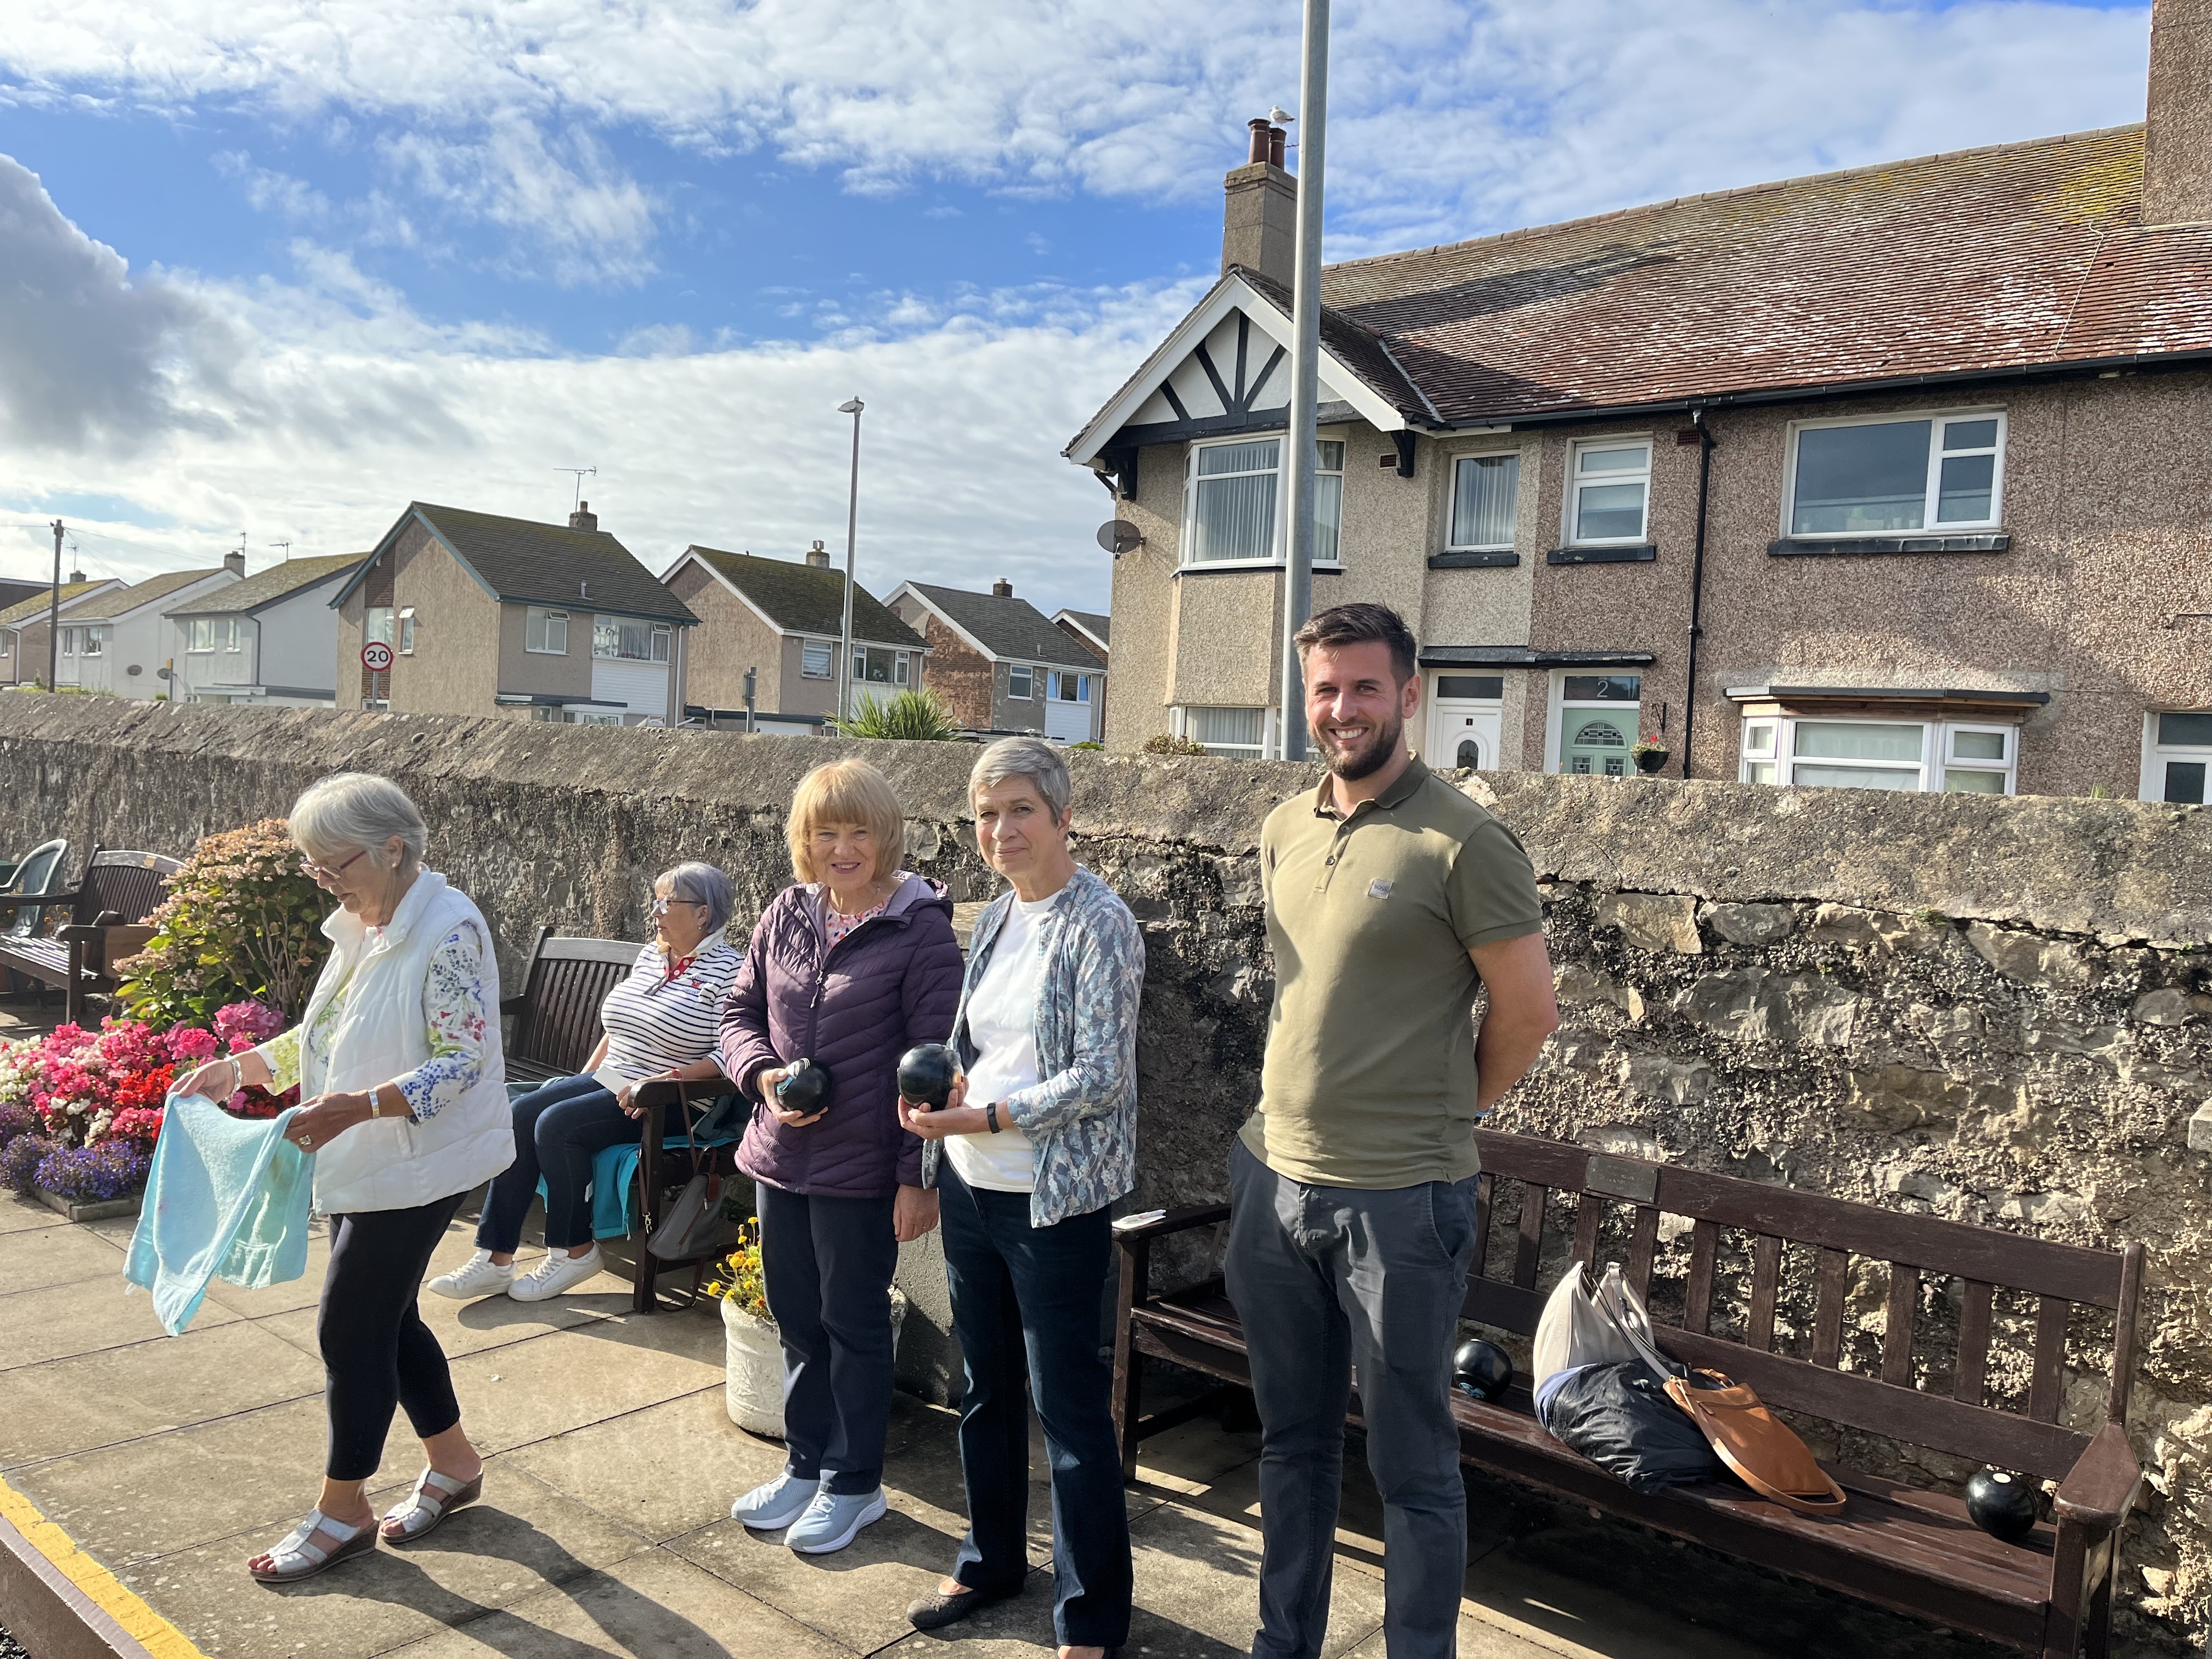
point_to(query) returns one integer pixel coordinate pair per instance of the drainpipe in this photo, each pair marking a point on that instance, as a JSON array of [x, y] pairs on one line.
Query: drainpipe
[[1696, 580]]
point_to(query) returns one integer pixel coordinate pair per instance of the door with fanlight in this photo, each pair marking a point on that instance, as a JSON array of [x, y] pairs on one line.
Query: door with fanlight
[[1466, 718]]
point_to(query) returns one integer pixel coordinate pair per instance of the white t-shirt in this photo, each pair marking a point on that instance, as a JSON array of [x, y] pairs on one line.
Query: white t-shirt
[[1002, 1025]]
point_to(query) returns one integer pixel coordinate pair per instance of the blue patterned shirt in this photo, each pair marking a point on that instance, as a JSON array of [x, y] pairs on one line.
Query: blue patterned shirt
[[1081, 1115]]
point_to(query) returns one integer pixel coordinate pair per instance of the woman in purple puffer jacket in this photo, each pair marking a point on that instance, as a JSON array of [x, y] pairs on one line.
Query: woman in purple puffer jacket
[[849, 967]]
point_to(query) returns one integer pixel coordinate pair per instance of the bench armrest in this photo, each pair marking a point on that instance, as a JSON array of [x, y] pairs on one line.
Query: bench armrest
[[514, 1004], [1159, 1224], [2100, 1488], [662, 1093], [11, 901]]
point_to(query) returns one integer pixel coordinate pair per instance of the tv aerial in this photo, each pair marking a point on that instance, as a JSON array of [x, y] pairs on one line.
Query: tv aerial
[[1119, 536]]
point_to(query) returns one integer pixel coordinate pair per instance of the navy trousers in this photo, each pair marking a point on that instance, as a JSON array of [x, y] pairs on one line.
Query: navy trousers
[[558, 1127], [1026, 1304]]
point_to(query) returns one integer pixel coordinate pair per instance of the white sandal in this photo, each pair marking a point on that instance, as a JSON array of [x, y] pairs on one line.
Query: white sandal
[[301, 1556], [435, 1497]]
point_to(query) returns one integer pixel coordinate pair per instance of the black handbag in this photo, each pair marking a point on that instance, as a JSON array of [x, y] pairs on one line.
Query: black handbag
[[694, 1225]]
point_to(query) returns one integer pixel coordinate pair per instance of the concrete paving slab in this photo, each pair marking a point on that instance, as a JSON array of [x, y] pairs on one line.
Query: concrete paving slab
[[1201, 1573], [653, 1605], [550, 1384], [35, 1257], [172, 1491], [523, 1538], [301, 1292], [1552, 1613], [19, 1214], [461, 1328], [1193, 1456], [668, 1469], [93, 1400], [65, 1320], [1022, 1629]]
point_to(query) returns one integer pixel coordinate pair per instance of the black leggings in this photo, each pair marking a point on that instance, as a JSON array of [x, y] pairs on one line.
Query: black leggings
[[377, 1352]]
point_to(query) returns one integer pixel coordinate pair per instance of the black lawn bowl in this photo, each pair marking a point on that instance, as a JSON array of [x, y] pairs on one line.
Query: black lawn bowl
[[805, 1088], [927, 1073], [2002, 1505], [1483, 1370]]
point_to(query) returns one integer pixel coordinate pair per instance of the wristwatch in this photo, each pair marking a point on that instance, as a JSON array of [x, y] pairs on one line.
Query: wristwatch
[[991, 1115]]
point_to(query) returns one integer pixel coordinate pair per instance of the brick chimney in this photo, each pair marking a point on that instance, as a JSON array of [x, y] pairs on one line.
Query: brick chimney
[[234, 562], [819, 556], [1260, 217], [583, 518], [76, 576], [1002, 589], [2177, 127]]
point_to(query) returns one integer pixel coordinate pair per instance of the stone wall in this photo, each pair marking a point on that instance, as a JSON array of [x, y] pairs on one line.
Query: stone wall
[[1998, 1010]]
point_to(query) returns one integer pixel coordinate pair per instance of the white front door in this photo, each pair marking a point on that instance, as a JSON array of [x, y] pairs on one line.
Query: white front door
[[1465, 731]]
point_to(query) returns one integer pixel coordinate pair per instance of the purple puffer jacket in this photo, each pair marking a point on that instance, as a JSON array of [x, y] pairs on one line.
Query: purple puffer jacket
[[889, 984]]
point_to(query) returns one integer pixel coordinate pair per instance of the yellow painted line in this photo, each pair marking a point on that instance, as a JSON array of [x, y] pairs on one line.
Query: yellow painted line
[[155, 1633]]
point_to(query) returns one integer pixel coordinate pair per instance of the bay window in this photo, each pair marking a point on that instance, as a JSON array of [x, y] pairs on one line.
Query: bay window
[[874, 665], [1231, 514], [1064, 687], [1869, 477], [1486, 496], [1909, 755], [625, 638]]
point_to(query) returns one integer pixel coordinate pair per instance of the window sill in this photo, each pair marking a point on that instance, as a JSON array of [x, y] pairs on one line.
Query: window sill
[[1469, 561], [540, 651], [1332, 567], [1639, 553], [1844, 547]]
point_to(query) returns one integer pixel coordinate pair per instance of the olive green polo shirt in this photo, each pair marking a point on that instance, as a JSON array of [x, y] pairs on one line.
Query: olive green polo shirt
[[1369, 1078]]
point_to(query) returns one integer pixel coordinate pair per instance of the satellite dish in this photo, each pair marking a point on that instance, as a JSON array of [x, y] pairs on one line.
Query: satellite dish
[[1119, 536]]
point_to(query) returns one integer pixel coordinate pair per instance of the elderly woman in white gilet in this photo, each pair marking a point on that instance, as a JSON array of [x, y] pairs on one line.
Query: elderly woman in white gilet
[[405, 1110]]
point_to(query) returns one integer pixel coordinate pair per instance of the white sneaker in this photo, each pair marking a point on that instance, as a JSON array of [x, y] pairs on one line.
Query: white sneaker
[[772, 1507], [558, 1272], [478, 1276]]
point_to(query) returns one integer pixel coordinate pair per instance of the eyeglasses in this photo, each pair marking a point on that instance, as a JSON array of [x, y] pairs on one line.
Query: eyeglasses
[[657, 906], [320, 873]]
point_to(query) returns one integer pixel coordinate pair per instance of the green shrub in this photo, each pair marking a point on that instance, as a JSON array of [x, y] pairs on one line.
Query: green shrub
[[909, 717], [1165, 744], [242, 919], [1086, 743]]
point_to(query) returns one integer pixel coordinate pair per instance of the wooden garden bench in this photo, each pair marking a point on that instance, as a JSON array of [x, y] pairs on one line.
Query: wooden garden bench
[[556, 1027], [1981, 1330], [117, 893]]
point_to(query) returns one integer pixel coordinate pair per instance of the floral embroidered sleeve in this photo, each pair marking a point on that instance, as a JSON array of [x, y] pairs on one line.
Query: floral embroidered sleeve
[[280, 1055], [454, 994]]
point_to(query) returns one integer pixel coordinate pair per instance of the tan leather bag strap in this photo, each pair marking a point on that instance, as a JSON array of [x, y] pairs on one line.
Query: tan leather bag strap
[[1705, 1405]]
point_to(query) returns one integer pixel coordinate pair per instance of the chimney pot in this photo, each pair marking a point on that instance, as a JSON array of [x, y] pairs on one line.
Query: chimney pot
[[1002, 589], [234, 562], [1276, 139], [1261, 144], [583, 518], [819, 556], [2177, 115]]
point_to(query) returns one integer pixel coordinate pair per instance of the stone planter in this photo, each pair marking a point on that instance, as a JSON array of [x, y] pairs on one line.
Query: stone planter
[[1649, 760], [106, 1209], [752, 1390]]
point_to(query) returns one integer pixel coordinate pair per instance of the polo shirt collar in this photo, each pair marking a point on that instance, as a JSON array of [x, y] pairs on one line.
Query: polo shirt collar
[[1399, 791]]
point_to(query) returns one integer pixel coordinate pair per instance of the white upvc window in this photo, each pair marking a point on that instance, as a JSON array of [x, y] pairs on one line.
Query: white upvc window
[[1594, 724], [1239, 732], [1021, 682], [1914, 756], [1486, 496], [201, 636], [375, 625], [817, 660], [872, 665], [407, 631], [545, 632], [1066, 687], [2177, 756], [90, 642], [1867, 477], [1608, 491], [901, 670], [627, 639], [593, 717], [7, 644], [69, 641], [1229, 514], [231, 633]]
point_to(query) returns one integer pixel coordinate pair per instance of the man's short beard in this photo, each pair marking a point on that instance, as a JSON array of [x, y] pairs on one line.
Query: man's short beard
[[1355, 764]]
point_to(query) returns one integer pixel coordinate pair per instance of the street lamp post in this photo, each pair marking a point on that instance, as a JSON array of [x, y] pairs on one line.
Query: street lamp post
[[1305, 372], [852, 406]]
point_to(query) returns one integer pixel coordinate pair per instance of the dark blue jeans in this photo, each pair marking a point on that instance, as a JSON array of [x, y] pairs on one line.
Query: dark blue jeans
[[829, 1262], [1026, 1307], [557, 1129]]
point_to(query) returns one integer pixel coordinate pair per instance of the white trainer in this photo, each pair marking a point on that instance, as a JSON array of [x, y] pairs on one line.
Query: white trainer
[[772, 1507], [558, 1272], [478, 1276]]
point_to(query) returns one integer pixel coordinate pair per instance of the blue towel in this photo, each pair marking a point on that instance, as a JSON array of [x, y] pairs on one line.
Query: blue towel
[[227, 1198]]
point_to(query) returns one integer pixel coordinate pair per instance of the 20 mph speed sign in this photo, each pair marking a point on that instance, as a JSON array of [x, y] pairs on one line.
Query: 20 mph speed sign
[[376, 656]]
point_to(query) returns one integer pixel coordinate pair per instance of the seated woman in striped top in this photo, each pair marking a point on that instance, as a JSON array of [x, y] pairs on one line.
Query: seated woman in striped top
[[662, 1022]]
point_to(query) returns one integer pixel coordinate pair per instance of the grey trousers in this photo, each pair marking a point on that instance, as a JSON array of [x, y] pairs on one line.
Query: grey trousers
[[1325, 1279]]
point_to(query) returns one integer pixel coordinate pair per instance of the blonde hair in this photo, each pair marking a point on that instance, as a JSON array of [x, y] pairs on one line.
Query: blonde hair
[[844, 792]]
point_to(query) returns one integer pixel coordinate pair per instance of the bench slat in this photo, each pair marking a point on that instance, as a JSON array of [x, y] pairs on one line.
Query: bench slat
[[2045, 1388], [1765, 1284], [1697, 1294], [1832, 1279], [1588, 1212], [1643, 1249], [1897, 1327], [1532, 1235], [1972, 1371]]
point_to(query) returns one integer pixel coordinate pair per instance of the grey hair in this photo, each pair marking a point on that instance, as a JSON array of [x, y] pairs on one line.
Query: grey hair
[[1033, 758], [357, 810], [702, 884]]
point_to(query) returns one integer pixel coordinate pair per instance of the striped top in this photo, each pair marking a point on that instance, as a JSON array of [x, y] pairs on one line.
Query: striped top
[[653, 1023]]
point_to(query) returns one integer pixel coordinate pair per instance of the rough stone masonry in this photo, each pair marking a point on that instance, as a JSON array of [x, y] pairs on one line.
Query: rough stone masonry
[[1998, 1010]]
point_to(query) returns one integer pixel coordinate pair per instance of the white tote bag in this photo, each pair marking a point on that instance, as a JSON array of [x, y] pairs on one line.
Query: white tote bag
[[1582, 1326]]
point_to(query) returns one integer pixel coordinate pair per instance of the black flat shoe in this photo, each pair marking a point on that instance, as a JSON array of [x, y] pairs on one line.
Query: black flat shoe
[[936, 1610]]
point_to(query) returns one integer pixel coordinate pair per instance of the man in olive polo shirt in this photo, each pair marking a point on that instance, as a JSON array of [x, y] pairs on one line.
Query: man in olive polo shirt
[[1391, 899]]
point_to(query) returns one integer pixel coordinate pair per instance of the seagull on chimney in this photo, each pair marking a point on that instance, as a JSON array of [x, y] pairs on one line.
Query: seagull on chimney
[[1279, 115]]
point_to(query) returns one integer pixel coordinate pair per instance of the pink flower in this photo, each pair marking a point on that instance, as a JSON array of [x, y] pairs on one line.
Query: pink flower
[[190, 1043]]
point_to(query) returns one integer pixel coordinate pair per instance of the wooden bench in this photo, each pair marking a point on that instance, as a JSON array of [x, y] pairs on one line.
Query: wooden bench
[[117, 891], [556, 1027], [1981, 1330]]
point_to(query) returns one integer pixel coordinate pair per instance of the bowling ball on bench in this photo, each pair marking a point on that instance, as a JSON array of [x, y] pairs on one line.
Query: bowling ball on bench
[[927, 1073], [1483, 1370], [2002, 1505]]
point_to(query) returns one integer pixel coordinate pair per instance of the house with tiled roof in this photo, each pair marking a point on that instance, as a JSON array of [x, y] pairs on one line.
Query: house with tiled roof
[[268, 641], [121, 641], [488, 615], [24, 627], [1001, 664], [1892, 477], [770, 630], [1093, 629]]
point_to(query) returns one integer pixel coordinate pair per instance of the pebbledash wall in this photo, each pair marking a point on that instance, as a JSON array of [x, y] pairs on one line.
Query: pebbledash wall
[[1995, 1010]]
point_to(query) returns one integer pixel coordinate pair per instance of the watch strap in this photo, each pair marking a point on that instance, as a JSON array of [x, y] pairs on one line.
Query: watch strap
[[991, 1115]]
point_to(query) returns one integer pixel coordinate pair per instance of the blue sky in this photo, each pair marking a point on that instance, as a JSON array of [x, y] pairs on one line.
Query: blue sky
[[287, 265]]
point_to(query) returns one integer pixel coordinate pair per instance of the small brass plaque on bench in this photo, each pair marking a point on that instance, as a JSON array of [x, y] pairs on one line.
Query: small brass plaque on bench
[[1621, 1177]]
